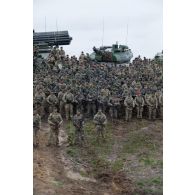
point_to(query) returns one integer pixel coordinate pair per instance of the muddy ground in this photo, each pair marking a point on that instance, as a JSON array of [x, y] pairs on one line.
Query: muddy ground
[[127, 162]]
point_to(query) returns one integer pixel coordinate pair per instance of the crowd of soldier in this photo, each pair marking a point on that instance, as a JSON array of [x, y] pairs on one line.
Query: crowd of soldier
[[81, 86]]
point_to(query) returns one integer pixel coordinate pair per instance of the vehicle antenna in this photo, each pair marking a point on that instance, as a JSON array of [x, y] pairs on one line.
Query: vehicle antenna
[[56, 30], [103, 33], [56, 25], [126, 41], [45, 23]]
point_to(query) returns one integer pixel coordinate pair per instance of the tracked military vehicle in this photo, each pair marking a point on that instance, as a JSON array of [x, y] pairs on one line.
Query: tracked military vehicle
[[159, 57], [113, 54]]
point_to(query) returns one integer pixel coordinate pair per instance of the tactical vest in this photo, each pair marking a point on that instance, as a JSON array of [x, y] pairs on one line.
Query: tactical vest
[[36, 121], [129, 101], [55, 118], [69, 98]]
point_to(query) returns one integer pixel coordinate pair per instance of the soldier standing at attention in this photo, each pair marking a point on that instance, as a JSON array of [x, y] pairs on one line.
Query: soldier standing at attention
[[39, 101], [100, 121], [52, 100], [139, 102], [103, 100], [82, 58], [36, 127], [61, 53], [68, 99], [129, 105], [91, 106], [160, 100], [55, 121], [61, 102], [114, 104], [79, 98], [152, 104], [78, 122]]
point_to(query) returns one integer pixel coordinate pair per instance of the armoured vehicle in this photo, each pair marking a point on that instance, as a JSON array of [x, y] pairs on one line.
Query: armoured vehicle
[[159, 57], [114, 54]]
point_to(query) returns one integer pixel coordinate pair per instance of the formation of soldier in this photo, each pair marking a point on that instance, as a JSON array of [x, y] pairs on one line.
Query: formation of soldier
[[65, 86]]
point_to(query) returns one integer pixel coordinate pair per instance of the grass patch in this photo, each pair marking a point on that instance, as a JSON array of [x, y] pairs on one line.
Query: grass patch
[[72, 151], [140, 144], [94, 153], [99, 165], [151, 161], [117, 165], [151, 186], [103, 147], [137, 142]]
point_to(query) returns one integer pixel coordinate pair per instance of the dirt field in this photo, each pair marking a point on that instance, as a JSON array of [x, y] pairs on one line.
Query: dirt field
[[128, 161]]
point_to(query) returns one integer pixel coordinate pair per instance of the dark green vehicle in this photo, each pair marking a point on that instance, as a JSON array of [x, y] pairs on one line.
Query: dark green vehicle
[[159, 57], [114, 54]]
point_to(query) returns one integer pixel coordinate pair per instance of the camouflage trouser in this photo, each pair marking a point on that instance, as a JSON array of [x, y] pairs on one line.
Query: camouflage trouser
[[45, 106], [80, 107], [91, 109], [128, 113], [61, 108], [79, 135], [81, 62], [51, 107], [100, 131], [103, 107], [139, 111], [40, 110], [69, 111], [113, 112], [53, 136], [151, 112], [35, 136]]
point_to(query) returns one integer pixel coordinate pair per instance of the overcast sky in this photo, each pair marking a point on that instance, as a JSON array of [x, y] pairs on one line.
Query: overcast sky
[[84, 21]]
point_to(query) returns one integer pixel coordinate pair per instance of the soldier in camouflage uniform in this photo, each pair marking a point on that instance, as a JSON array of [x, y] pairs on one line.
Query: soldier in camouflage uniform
[[152, 104], [114, 103], [55, 121], [79, 99], [61, 102], [36, 127], [103, 99], [82, 58], [68, 99], [39, 101], [139, 102], [160, 100], [129, 105], [125, 92], [100, 121], [61, 53], [39, 86], [91, 103], [78, 122], [52, 100]]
